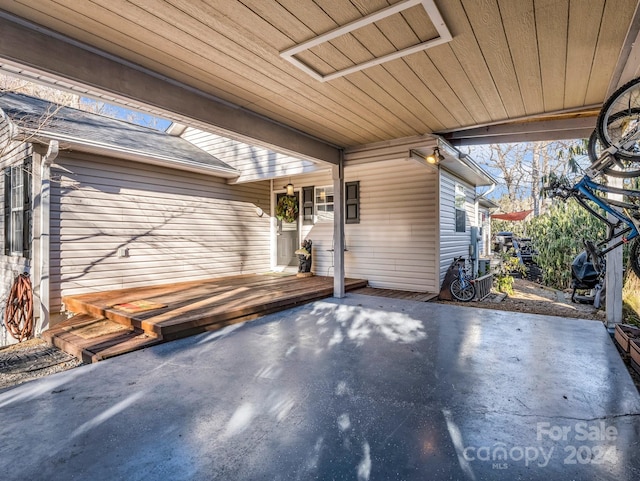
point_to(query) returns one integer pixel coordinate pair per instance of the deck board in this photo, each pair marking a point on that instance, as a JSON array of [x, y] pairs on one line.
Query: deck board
[[188, 308], [396, 294]]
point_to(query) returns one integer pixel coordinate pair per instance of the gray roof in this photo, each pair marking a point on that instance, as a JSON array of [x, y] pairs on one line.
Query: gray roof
[[115, 137]]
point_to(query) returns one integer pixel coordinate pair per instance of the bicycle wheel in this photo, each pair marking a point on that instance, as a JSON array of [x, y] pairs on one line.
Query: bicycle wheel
[[624, 168], [621, 131], [463, 291], [634, 256]]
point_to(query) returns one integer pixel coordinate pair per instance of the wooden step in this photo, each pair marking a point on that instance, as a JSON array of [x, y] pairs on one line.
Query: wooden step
[[186, 308], [93, 339]]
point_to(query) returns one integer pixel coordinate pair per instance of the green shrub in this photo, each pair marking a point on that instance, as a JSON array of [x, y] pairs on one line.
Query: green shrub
[[502, 276], [558, 236]]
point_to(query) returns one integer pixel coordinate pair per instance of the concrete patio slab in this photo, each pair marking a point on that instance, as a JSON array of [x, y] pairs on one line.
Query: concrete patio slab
[[359, 388]]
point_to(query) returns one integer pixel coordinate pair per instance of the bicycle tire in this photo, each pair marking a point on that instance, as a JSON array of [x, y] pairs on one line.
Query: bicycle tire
[[623, 164], [634, 256], [611, 131], [464, 294]]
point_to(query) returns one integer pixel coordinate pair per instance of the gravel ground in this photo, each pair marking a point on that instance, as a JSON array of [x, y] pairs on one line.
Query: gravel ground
[[535, 298], [32, 359]]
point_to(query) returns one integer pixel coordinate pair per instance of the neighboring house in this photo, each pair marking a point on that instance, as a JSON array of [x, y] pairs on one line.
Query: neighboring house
[[94, 204]]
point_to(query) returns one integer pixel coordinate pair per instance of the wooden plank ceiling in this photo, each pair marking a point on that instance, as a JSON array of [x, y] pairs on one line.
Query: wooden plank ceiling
[[508, 60]]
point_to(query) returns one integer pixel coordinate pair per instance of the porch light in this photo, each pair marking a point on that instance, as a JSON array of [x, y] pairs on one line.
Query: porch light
[[289, 188], [436, 157]]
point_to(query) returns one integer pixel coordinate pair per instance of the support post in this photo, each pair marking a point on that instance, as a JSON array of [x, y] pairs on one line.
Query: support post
[[614, 274], [338, 228]]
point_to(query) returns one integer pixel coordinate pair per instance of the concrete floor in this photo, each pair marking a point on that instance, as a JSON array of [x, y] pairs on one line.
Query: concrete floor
[[360, 388]]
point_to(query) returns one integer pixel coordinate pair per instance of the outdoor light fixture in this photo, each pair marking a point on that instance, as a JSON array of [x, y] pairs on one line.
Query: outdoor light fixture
[[289, 188], [436, 157]]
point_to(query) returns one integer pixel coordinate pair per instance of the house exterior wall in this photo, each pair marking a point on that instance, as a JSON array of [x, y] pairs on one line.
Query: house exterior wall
[[174, 225], [11, 265], [254, 163], [395, 243], [452, 243]]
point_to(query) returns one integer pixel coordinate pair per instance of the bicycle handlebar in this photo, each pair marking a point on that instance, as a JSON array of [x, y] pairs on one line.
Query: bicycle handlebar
[[559, 189]]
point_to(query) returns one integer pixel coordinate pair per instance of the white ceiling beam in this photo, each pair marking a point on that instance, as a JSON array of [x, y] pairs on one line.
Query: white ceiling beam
[[69, 62]]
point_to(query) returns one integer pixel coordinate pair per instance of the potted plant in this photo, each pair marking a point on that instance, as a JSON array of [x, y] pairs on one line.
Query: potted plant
[[304, 259]]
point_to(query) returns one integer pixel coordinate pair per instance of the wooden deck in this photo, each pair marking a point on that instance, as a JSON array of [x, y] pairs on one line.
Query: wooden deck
[[103, 327], [395, 294]]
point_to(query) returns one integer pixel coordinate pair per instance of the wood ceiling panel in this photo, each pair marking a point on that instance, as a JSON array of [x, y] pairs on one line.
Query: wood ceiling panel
[[507, 59], [486, 21], [273, 91], [341, 52], [447, 65], [263, 33], [610, 38], [552, 23], [353, 96], [446, 75], [419, 74], [203, 78], [467, 51], [520, 28], [584, 24], [65, 20], [386, 76]]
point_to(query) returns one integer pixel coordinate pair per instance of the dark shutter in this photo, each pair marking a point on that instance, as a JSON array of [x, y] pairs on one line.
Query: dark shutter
[[27, 209], [7, 210], [352, 202], [307, 205]]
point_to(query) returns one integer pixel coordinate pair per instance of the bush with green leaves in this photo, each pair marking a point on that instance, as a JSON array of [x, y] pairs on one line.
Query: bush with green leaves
[[558, 236], [503, 274]]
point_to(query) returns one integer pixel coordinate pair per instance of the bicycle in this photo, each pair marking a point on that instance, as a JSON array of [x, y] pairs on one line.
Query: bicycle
[[618, 155], [625, 226], [462, 287], [618, 132]]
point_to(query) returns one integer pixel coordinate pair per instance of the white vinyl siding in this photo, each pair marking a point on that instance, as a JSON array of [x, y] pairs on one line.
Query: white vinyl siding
[[452, 243], [254, 163], [394, 245], [175, 225], [11, 265]]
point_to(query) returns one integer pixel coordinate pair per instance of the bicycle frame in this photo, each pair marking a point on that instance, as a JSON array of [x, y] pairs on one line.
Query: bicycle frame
[[623, 225]]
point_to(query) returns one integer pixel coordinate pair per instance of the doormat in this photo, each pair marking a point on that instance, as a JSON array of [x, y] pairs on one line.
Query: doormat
[[138, 306]]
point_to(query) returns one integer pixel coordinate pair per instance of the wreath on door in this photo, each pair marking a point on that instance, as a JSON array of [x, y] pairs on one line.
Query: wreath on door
[[287, 208]]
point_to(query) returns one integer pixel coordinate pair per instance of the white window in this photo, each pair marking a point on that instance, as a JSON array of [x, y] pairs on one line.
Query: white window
[[460, 203], [324, 203], [17, 209]]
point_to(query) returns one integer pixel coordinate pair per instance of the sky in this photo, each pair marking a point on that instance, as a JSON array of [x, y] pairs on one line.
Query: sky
[[129, 115]]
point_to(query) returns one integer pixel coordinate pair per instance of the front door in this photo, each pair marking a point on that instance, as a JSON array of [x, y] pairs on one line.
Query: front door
[[287, 239]]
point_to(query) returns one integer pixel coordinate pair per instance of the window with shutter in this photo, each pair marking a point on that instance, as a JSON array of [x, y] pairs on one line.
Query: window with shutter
[[352, 202], [307, 205], [17, 209]]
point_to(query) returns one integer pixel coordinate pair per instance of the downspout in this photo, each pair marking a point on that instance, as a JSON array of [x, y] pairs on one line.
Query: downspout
[[45, 228]]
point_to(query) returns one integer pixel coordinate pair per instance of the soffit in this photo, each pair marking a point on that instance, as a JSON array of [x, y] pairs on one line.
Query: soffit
[[507, 60]]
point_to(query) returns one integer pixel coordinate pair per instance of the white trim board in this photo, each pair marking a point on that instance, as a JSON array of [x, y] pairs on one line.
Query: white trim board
[[429, 7]]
